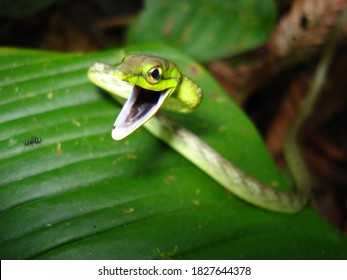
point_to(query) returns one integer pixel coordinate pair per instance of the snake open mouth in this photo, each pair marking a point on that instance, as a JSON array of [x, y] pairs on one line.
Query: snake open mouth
[[137, 110]]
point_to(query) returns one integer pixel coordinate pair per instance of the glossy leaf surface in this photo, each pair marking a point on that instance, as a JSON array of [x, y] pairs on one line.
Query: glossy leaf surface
[[80, 195]]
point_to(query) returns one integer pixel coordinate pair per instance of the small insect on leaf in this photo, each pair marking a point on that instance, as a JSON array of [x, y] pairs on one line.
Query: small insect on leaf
[[32, 141]]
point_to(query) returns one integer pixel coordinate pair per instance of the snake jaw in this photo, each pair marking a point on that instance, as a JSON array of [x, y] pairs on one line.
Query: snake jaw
[[137, 110]]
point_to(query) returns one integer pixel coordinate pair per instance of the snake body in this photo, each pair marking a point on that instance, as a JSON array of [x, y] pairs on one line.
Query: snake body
[[149, 83]]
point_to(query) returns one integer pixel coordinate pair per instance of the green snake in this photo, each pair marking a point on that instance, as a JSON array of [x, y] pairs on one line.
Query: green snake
[[148, 83]]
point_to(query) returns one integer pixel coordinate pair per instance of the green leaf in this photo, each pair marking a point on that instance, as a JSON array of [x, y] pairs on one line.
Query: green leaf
[[80, 195], [204, 29]]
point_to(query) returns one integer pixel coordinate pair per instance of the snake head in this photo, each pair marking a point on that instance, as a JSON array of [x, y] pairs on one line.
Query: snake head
[[152, 82]]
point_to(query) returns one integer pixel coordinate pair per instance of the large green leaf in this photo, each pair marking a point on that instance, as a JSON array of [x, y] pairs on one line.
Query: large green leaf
[[80, 195], [205, 29]]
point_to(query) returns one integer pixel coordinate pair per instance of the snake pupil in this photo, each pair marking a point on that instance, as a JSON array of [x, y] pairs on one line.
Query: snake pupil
[[155, 74]]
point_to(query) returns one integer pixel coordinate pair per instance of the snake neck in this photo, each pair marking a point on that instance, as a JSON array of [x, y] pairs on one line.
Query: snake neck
[[185, 98]]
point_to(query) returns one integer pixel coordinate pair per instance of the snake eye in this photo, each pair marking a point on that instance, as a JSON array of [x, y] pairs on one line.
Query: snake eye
[[153, 75]]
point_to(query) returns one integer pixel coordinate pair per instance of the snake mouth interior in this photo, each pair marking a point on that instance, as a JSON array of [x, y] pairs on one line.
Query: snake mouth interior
[[137, 110]]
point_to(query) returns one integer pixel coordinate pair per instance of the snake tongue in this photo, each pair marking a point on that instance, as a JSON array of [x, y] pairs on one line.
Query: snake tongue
[[137, 110]]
